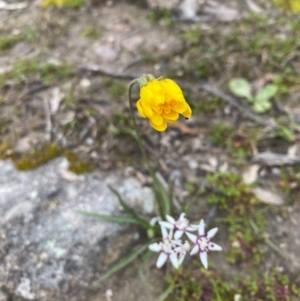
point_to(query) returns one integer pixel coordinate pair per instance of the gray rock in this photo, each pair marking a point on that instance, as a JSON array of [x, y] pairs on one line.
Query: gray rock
[[3, 296], [47, 251]]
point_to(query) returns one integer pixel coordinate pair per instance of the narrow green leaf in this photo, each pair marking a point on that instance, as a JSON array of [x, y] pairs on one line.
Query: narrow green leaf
[[128, 210], [109, 218], [145, 261], [266, 93], [171, 196], [274, 246], [120, 264], [166, 201], [240, 87], [216, 290], [167, 292], [158, 198], [162, 197]]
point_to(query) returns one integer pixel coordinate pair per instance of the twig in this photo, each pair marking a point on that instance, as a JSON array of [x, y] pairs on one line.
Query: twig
[[131, 63], [233, 102], [36, 88], [185, 130]]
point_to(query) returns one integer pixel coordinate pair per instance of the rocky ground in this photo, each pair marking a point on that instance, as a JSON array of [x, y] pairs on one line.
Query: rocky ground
[[66, 134]]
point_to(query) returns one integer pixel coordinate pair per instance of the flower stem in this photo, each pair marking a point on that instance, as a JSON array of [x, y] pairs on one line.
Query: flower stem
[[160, 195], [138, 134]]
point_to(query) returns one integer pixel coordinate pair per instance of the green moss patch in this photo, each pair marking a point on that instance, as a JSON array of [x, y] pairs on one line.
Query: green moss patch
[[251, 41], [198, 284], [43, 154], [37, 156], [7, 42], [242, 215], [34, 68], [237, 142]]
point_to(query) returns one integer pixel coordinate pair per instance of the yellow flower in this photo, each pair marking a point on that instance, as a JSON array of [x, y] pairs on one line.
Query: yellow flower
[[292, 5], [61, 3], [161, 101]]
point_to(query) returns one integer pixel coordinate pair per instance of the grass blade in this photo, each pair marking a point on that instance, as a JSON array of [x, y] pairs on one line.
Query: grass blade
[[163, 195], [109, 218], [166, 293], [121, 264], [129, 211], [145, 259]]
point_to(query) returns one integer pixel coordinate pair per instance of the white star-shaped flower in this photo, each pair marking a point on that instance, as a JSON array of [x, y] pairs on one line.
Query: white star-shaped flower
[[203, 242], [168, 248], [180, 226], [181, 250]]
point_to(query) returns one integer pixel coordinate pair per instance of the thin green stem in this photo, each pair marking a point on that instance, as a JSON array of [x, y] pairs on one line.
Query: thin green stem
[[136, 128], [145, 157], [216, 290], [273, 246]]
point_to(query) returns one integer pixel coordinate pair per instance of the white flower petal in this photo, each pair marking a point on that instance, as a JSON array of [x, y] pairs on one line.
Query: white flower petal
[[192, 228], [178, 249], [178, 234], [170, 219], [203, 258], [166, 225], [155, 247], [164, 231], [195, 250], [192, 237], [214, 247], [211, 233], [177, 242], [180, 260], [154, 220], [171, 234], [161, 260], [174, 260], [182, 217], [201, 228]]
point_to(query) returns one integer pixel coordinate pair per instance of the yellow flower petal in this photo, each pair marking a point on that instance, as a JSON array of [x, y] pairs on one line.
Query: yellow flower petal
[[187, 113], [158, 92], [162, 127], [166, 108], [146, 93], [170, 121], [157, 109], [157, 119], [172, 89], [175, 88], [147, 110], [140, 109], [173, 116], [153, 93], [180, 107], [161, 101]]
